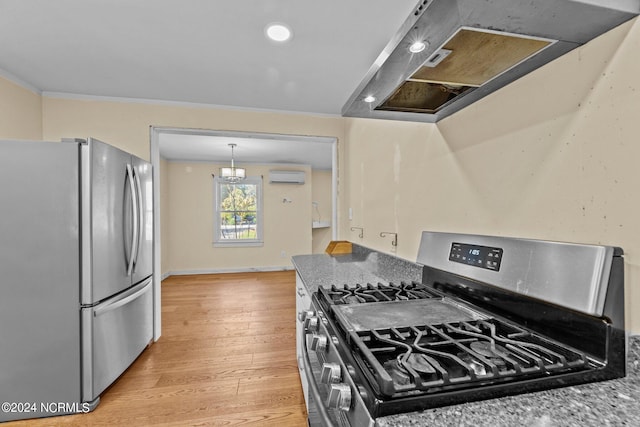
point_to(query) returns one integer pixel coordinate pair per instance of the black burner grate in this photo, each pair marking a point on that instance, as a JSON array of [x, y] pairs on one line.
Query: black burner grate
[[360, 294], [430, 358]]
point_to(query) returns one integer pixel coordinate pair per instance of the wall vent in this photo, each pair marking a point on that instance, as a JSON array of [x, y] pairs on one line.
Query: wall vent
[[286, 177]]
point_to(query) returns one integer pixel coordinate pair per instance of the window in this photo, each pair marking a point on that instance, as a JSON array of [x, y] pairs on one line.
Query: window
[[238, 212]]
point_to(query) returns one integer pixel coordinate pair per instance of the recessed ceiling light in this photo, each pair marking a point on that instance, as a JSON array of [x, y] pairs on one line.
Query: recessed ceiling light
[[369, 99], [278, 32], [417, 47]]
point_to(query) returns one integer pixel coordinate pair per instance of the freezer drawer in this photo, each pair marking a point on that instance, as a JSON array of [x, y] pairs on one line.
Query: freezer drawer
[[114, 333]]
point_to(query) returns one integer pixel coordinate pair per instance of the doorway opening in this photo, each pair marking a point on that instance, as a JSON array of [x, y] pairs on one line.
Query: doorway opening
[[273, 151]]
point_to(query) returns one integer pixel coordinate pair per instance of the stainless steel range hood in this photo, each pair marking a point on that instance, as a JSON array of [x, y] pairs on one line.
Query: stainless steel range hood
[[473, 48]]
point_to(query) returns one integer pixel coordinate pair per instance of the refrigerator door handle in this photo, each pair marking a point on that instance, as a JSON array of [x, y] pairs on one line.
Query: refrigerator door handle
[[123, 301], [139, 217], [133, 248]]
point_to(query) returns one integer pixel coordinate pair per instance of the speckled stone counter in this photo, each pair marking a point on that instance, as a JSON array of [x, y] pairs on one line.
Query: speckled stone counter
[[362, 266], [607, 403]]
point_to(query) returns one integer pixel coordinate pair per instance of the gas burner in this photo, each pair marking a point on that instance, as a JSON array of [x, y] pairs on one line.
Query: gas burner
[[360, 294], [408, 366], [418, 363], [456, 355]]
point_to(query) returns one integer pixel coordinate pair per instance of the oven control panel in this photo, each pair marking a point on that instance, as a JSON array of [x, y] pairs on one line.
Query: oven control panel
[[476, 255]]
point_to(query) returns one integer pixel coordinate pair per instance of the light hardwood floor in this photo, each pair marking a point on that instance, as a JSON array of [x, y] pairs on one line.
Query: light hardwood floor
[[226, 357]]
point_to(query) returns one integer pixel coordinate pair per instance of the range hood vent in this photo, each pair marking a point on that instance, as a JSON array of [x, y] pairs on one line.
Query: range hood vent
[[473, 48]]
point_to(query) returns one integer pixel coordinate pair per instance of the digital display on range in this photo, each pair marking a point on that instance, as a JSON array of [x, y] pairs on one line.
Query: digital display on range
[[478, 256]]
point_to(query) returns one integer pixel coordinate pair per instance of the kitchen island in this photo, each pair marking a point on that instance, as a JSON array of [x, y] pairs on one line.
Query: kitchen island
[[606, 403]]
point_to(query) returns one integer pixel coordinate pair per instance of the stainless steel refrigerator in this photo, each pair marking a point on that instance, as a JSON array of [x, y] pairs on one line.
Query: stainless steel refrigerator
[[76, 230]]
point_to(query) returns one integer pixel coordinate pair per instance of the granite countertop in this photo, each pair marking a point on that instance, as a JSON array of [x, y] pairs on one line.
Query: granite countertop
[[361, 266], [606, 403]]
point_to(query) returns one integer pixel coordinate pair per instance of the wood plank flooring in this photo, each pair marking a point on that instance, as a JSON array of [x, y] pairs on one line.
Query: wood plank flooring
[[226, 357]]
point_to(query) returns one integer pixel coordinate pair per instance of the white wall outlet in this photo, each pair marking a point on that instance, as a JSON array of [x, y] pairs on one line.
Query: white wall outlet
[[283, 254], [350, 214]]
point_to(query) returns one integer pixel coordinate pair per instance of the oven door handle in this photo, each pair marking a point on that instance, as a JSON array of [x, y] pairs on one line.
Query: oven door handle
[[313, 387]]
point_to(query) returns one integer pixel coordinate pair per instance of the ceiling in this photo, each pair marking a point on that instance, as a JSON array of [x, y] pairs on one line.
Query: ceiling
[[251, 148], [200, 51]]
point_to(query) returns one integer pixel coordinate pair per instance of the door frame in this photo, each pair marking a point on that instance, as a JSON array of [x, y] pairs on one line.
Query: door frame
[[156, 131]]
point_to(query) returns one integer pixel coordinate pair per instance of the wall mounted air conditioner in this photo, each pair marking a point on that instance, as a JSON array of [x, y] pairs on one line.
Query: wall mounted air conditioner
[[286, 177]]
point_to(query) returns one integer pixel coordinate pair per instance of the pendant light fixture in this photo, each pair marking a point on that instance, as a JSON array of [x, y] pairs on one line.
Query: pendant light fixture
[[232, 174]]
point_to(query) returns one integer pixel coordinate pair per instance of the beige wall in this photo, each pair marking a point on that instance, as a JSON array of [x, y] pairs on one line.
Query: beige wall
[[321, 193], [190, 213], [552, 156], [126, 125], [20, 112]]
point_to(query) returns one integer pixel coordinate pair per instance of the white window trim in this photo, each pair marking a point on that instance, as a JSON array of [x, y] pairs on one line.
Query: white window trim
[[220, 243]]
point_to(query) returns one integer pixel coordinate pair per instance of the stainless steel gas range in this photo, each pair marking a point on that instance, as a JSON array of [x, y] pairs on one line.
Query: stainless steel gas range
[[492, 316]]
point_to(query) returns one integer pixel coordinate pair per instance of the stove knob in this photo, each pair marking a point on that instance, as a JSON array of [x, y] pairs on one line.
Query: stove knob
[[311, 323], [362, 392], [351, 370], [319, 343], [304, 314], [339, 397], [331, 373]]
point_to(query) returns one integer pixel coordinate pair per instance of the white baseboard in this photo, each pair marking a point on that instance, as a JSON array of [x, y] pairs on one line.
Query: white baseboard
[[225, 270]]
